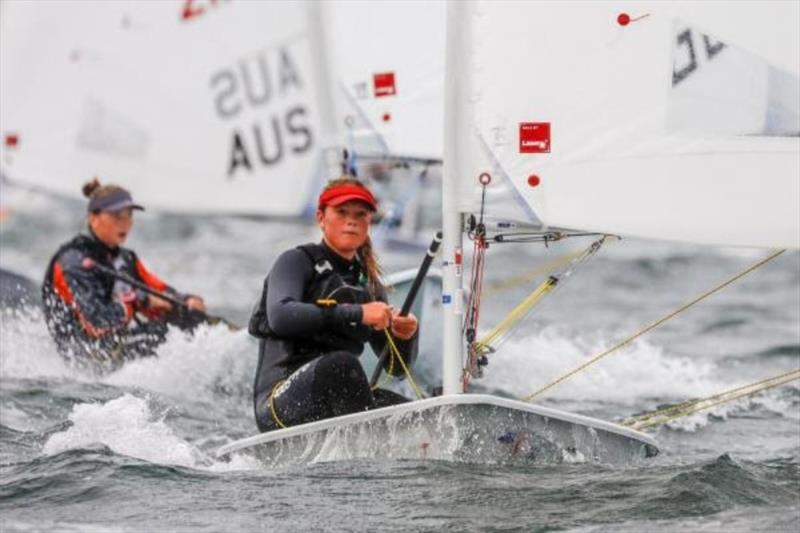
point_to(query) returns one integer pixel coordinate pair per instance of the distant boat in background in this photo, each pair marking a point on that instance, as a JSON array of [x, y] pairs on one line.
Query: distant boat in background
[[243, 108], [192, 116]]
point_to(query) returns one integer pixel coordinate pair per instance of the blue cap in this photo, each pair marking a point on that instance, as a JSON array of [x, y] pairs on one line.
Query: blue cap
[[115, 201]]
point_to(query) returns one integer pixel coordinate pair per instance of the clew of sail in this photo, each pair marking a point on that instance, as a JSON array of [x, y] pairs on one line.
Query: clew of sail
[[198, 106], [665, 120]]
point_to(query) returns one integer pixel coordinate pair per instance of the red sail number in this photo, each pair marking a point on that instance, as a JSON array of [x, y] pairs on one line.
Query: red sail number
[[195, 8]]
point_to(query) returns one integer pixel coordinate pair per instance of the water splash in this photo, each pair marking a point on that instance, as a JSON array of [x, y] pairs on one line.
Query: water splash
[[129, 426], [26, 349], [639, 371], [212, 362], [777, 402]]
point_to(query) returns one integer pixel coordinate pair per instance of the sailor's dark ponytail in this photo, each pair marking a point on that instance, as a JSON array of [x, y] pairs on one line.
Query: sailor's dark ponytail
[[90, 187], [94, 190]]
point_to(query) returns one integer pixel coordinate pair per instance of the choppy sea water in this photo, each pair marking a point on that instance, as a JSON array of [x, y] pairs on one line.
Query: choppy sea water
[[134, 450]]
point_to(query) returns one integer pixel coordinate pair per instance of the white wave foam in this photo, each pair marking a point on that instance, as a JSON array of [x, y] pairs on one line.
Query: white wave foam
[[637, 372], [26, 349], [773, 400], [194, 367], [641, 375], [128, 426]]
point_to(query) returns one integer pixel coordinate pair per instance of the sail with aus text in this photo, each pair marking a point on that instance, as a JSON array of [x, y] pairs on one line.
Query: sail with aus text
[[198, 106]]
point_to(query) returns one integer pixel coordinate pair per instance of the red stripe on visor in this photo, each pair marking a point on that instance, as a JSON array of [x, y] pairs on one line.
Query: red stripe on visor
[[345, 193]]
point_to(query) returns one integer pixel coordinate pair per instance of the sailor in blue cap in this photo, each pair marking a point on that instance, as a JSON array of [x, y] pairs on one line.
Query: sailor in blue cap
[[94, 311]]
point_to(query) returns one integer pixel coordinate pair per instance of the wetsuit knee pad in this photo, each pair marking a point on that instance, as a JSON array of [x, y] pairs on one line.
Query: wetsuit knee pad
[[333, 384], [340, 368], [340, 379]]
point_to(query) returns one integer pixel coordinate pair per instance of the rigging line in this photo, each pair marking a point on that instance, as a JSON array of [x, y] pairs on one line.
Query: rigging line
[[690, 407], [652, 326], [679, 408], [388, 374], [537, 236], [406, 370], [478, 236], [516, 314], [473, 363], [532, 274], [520, 312]]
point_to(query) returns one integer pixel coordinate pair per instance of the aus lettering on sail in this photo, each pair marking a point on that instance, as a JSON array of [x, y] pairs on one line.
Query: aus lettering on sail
[[266, 97]]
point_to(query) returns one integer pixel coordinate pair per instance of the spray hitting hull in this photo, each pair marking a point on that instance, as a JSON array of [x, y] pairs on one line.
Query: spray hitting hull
[[464, 428]]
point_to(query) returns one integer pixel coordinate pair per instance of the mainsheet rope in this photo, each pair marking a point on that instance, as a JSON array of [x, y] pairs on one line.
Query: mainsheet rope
[[394, 352], [663, 416], [652, 326]]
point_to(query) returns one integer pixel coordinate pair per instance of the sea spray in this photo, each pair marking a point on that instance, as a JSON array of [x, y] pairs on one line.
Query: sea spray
[[636, 372], [131, 426], [210, 365], [26, 349]]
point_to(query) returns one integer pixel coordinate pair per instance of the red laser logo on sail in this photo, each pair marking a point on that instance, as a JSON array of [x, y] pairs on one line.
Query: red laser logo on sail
[[383, 84], [534, 137]]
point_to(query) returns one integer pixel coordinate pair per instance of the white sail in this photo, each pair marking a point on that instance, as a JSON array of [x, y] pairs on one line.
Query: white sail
[[387, 65], [667, 120], [196, 105]]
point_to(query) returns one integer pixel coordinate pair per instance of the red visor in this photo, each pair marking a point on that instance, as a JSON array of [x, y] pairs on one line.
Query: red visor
[[345, 193]]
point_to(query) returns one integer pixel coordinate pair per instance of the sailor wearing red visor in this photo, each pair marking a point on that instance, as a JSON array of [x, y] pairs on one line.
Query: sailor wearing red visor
[[320, 304]]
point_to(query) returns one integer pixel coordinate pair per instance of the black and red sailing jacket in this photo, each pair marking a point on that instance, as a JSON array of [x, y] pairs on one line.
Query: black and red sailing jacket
[[80, 301]]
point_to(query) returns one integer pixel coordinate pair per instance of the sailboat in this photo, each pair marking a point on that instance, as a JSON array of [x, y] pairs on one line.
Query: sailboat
[[388, 103], [165, 98], [202, 107], [242, 108], [593, 118]]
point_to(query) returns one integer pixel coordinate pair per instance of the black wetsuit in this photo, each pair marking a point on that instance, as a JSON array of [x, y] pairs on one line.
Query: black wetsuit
[[308, 367], [90, 325]]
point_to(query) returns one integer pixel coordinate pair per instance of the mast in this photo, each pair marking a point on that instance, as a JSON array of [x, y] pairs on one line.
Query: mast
[[319, 37], [454, 122]]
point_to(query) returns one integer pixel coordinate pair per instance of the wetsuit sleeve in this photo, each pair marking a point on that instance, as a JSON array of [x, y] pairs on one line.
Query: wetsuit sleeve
[[150, 279], [408, 348], [153, 281], [97, 312], [287, 313]]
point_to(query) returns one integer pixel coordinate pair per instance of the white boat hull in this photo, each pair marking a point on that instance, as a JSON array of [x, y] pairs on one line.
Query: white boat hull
[[465, 428]]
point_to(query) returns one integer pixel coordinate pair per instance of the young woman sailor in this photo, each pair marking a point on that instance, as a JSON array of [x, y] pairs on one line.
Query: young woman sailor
[[94, 316], [320, 304]]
